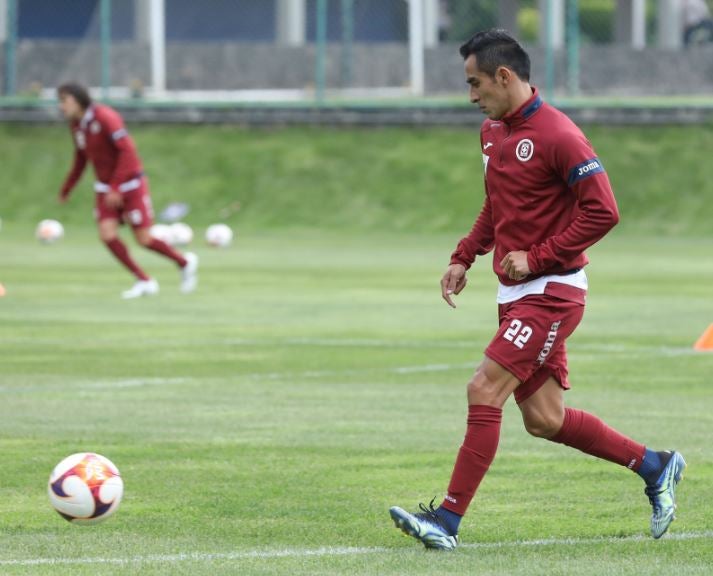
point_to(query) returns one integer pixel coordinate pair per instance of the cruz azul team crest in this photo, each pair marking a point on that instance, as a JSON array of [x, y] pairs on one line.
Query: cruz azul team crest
[[525, 149]]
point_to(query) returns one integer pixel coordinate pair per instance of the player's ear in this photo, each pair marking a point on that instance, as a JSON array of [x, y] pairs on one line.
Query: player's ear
[[503, 75]]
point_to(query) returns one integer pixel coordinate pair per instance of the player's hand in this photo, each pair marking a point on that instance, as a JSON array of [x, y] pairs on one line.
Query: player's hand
[[62, 199], [515, 265], [453, 282], [114, 199]]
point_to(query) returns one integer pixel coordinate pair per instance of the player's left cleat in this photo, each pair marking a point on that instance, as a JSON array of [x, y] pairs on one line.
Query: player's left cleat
[[189, 273], [141, 288], [662, 495], [425, 526]]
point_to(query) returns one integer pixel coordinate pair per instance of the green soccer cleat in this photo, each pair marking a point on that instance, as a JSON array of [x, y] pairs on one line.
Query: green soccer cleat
[[425, 526], [662, 495]]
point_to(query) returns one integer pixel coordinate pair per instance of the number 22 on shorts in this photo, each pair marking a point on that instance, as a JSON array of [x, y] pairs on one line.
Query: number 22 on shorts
[[517, 333]]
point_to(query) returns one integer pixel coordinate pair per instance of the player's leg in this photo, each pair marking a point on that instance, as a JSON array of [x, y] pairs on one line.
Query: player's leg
[[543, 412], [487, 392], [511, 357], [108, 228], [143, 237], [139, 212], [188, 262], [545, 415], [529, 330], [108, 219]]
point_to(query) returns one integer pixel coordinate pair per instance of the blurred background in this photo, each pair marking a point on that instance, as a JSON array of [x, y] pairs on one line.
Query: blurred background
[[326, 51]]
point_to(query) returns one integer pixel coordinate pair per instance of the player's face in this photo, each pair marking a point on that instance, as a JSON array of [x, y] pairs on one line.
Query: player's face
[[488, 92], [70, 108]]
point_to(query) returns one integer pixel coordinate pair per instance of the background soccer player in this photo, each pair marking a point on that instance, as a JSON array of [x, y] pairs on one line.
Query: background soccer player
[[547, 199], [122, 194]]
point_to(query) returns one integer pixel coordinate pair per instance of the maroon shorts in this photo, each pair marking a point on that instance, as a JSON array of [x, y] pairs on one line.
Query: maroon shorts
[[136, 210], [530, 342]]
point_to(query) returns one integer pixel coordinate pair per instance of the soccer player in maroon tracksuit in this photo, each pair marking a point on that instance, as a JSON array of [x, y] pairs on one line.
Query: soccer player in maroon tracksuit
[[122, 194], [547, 199]]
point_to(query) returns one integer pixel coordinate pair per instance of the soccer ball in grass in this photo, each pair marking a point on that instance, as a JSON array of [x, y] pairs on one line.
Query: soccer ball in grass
[[181, 234], [85, 488], [49, 231], [219, 235]]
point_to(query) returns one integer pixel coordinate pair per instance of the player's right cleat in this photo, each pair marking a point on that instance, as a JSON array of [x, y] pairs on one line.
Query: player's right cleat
[[141, 288], [425, 526], [662, 495], [189, 273]]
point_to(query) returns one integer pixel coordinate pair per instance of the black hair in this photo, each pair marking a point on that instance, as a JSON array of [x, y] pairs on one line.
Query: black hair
[[494, 48], [78, 92]]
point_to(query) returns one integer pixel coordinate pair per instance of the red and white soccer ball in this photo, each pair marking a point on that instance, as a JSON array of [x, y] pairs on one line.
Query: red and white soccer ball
[[219, 235], [49, 231], [85, 488]]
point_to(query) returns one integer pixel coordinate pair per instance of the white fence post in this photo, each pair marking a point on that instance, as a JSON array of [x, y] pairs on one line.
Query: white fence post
[[158, 45], [416, 46], [291, 18]]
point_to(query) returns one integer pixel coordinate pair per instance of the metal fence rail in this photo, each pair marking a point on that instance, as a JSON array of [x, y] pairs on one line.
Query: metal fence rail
[[346, 50]]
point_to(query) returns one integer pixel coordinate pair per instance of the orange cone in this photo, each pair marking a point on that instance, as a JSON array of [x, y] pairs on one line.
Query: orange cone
[[705, 342]]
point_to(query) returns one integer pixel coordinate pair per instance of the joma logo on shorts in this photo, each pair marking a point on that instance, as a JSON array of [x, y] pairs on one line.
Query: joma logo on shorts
[[593, 165], [551, 337]]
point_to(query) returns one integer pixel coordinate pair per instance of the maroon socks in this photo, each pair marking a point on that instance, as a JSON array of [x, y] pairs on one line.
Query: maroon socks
[[475, 455], [118, 249], [162, 248], [589, 434]]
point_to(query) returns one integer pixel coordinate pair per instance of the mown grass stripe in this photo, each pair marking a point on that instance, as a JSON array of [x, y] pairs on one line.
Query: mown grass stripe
[[339, 551]]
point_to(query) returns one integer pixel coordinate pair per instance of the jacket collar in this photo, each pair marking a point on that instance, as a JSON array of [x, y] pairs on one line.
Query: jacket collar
[[88, 117], [526, 111]]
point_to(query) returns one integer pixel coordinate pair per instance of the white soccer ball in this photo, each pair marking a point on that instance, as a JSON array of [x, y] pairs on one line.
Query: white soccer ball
[[162, 232], [49, 231], [219, 235], [85, 488], [182, 234]]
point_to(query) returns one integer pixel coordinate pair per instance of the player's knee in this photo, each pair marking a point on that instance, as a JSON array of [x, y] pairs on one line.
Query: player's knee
[[107, 236], [542, 426], [491, 385], [482, 390], [475, 386], [143, 237]]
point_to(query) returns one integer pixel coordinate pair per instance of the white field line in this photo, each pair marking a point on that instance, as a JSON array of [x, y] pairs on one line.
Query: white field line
[[337, 551], [472, 344], [285, 375], [477, 346], [134, 382], [103, 384], [418, 368], [579, 351], [139, 382]]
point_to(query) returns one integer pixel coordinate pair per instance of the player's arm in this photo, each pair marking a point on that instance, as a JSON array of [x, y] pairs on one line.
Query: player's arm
[[579, 166], [479, 241], [75, 173], [126, 157], [126, 154], [481, 238]]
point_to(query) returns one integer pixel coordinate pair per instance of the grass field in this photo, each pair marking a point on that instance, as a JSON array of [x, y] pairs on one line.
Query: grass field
[[264, 424], [410, 181]]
